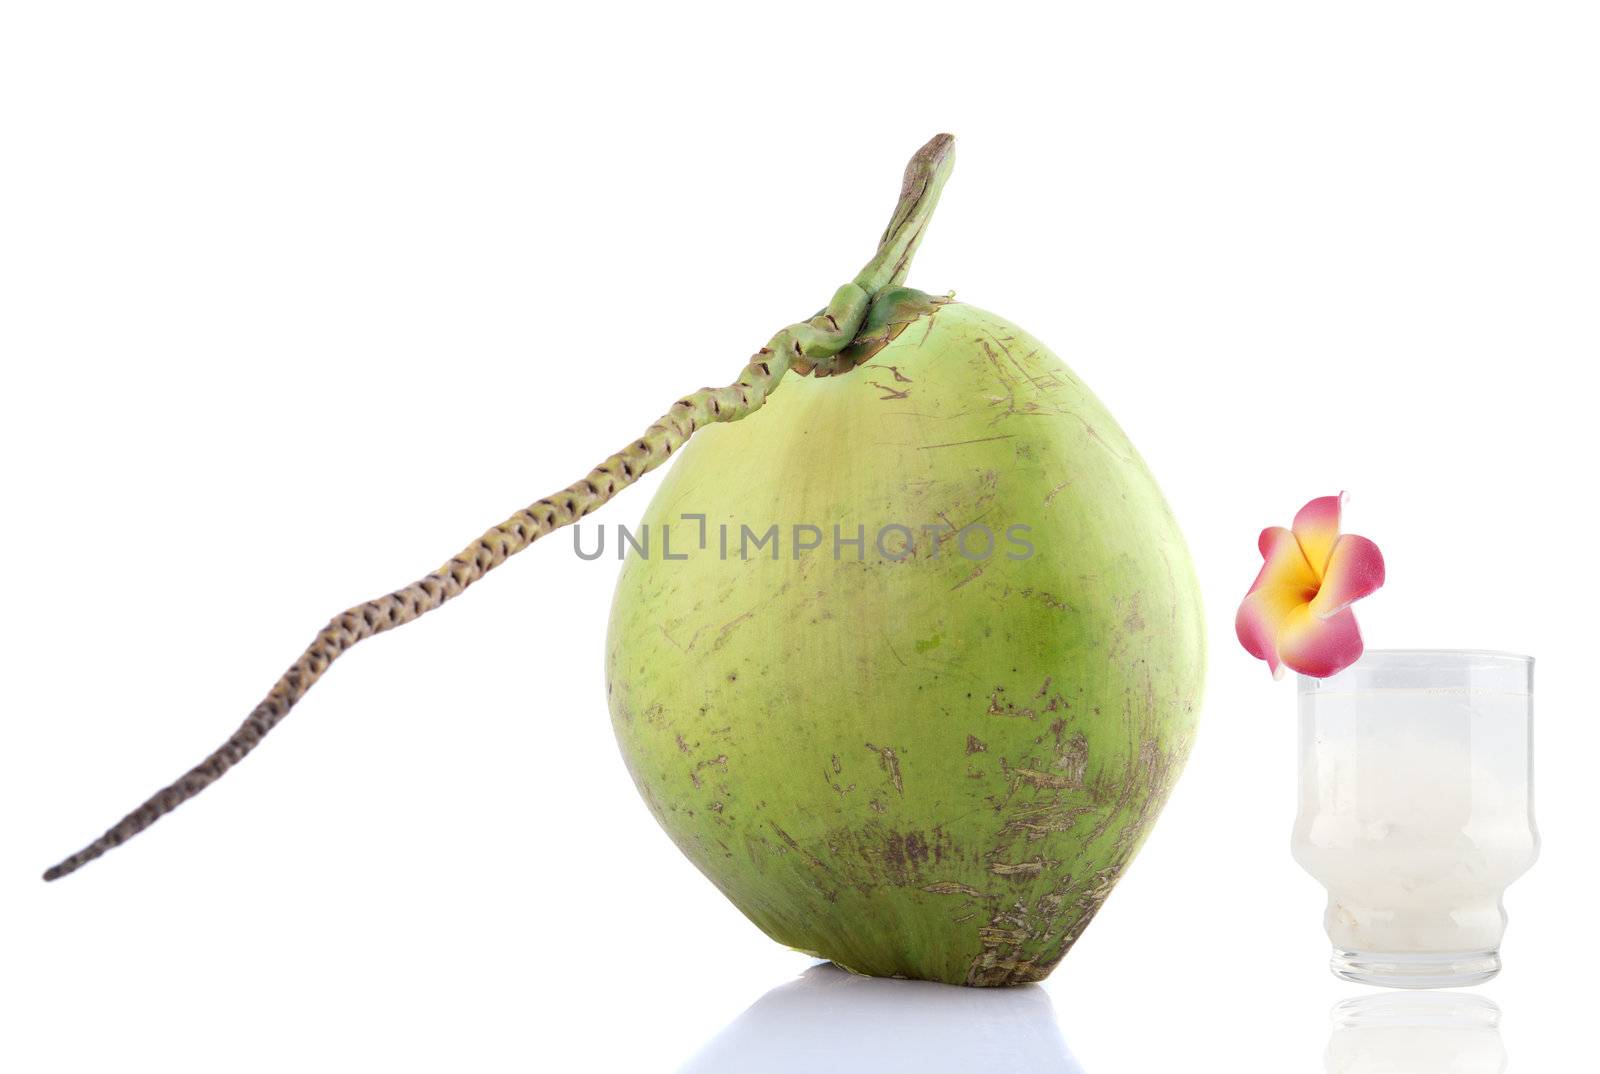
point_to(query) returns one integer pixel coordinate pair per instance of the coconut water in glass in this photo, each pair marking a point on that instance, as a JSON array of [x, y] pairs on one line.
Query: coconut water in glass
[[1416, 810]]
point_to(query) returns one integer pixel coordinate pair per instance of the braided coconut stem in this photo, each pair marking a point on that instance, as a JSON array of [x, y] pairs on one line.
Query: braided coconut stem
[[809, 347]]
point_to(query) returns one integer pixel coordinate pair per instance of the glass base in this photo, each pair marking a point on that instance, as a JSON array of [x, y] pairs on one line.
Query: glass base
[[1458, 969]]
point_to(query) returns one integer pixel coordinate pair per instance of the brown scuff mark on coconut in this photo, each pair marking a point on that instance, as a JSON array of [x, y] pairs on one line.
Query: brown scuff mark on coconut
[[701, 766], [951, 887], [1133, 622], [903, 857], [1022, 868], [999, 706], [1041, 780], [889, 761], [1040, 821], [839, 788]]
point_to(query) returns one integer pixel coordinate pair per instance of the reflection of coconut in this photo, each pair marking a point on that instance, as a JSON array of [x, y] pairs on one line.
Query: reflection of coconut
[[832, 1021], [1416, 1033]]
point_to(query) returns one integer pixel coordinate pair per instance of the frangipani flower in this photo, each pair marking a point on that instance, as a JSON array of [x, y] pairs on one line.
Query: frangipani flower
[[1297, 614]]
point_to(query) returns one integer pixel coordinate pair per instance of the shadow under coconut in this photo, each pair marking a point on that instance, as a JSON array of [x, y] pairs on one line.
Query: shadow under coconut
[[832, 1020]]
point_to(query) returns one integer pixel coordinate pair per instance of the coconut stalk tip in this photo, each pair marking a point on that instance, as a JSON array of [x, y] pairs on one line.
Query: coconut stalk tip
[[924, 179]]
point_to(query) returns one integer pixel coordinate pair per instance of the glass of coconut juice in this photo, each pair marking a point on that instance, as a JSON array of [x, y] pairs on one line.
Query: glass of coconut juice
[[1416, 810]]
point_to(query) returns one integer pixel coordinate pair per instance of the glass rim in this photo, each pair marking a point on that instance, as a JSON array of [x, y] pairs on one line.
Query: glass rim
[[1448, 655], [1430, 670]]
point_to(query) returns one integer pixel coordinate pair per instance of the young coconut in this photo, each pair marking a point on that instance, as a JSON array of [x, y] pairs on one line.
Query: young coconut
[[943, 776]]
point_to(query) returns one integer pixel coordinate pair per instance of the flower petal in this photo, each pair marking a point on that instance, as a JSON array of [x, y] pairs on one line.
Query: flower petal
[[1285, 583], [1354, 570], [1285, 564], [1316, 527], [1319, 647], [1260, 620]]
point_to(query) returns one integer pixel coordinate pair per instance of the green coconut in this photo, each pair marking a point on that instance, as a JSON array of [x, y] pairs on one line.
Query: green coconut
[[925, 662], [931, 753]]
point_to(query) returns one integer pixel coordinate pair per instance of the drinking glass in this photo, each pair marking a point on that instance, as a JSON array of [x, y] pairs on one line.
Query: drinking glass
[[1416, 810]]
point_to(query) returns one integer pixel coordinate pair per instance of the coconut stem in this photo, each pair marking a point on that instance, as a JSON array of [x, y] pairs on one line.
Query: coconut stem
[[919, 194], [807, 347]]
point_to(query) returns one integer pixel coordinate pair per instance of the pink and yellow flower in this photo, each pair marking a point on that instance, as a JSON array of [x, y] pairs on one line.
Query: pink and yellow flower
[[1297, 614]]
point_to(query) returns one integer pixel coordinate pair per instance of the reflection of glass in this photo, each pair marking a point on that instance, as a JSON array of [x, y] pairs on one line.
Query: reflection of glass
[[1416, 810], [1416, 1033], [833, 1021]]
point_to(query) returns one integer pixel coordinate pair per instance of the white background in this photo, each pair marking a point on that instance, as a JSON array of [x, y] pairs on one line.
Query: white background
[[296, 298]]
